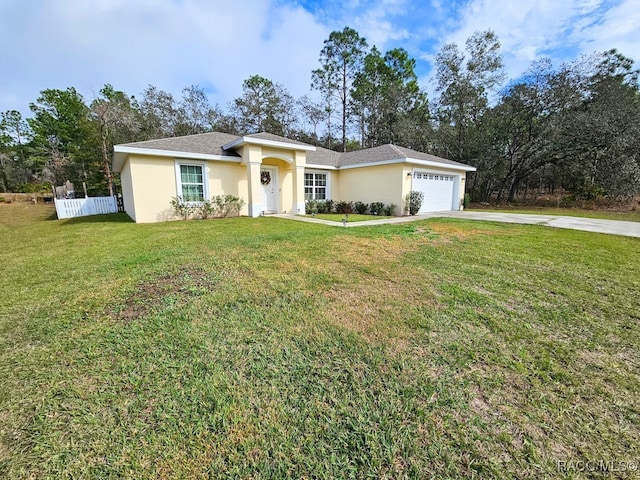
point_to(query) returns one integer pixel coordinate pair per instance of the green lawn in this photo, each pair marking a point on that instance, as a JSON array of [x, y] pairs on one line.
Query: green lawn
[[268, 348]]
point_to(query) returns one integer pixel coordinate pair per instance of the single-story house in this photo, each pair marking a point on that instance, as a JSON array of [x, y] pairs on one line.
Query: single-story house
[[274, 174]]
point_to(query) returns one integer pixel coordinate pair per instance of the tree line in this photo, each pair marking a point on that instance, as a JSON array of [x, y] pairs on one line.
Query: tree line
[[571, 128]]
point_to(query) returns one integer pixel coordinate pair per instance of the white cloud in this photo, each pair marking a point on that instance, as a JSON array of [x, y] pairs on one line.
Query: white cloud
[[176, 43], [168, 44], [375, 26], [379, 21], [618, 28], [530, 30]]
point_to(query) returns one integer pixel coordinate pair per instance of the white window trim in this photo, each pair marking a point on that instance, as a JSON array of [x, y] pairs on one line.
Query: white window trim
[[205, 178], [328, 187]]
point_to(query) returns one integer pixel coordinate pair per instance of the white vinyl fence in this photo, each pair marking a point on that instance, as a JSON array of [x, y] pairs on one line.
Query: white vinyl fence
[[80, 207]]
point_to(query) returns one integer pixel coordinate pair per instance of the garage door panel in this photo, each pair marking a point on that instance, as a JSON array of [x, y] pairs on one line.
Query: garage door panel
[[438, 191]]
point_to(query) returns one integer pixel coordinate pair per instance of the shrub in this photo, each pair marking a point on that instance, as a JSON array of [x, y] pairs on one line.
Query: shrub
[[206, 210], [225, 205], [330, 204], [413, 201], [585, 191], [344, 207], [325, 206], [181, 208], [390, 209], [219, 206], [3, 200], [34, 187], [311, 206], [376, 208], [361, 208], [466, 201]]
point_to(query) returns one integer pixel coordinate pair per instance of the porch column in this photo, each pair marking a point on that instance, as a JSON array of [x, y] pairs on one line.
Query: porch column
[[298, 191], [300, 160], [255, 189]]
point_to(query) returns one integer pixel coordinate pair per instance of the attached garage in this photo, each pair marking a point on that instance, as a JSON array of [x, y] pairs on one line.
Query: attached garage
[[440, 190]]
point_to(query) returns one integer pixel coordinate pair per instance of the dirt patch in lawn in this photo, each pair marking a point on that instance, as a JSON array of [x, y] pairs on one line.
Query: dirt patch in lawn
[[152, 295]]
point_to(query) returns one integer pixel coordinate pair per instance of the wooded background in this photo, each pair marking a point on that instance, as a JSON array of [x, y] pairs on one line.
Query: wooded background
[[570, 129]]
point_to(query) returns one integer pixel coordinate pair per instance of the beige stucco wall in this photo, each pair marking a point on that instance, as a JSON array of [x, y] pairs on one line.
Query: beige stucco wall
[[149, 184], [334, 184], [384, 183], [127, 190], [153, 184]]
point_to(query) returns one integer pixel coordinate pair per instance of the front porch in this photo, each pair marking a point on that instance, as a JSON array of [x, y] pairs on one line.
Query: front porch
[[275, 174]]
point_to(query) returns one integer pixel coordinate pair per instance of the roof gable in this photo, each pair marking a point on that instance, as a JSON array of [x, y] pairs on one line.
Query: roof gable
[[269, 140]]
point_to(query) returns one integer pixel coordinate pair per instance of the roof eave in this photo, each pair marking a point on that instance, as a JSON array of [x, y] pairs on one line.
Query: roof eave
[[319, 166], [413, 161], [242, 141], [431, 163], [118, 160]]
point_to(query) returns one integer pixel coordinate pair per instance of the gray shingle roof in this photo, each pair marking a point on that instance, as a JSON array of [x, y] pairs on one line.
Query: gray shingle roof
[[388, 152], [206, 143], [275, 138], [211, 144], [324, 156]]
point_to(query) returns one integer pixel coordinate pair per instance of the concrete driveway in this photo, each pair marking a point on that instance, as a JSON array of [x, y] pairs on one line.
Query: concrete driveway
[[613, 227]]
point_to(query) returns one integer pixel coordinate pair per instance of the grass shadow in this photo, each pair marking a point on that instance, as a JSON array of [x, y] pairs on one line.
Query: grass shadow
[[106, 218]]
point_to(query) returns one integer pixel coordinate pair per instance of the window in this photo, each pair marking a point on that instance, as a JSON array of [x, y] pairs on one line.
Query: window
[[191, 182], [315, 186]]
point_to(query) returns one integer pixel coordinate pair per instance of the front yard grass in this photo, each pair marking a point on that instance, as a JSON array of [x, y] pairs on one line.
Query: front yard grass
[[267, 348]]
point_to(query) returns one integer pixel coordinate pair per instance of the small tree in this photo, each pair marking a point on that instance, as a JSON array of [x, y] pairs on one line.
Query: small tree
[[413, 202]]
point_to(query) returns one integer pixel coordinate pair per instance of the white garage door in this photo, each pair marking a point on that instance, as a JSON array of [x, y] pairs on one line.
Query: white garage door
[[438, 190]]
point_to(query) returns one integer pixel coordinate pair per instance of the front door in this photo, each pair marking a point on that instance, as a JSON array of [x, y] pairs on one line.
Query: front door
[[269, 184]]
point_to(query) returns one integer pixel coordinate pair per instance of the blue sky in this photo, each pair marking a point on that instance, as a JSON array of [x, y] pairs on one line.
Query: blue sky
[[217, 44]]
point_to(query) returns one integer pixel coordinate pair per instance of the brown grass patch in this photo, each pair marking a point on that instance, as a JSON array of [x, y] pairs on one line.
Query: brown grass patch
[[374, 299], [451, 230], [148, 296]]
